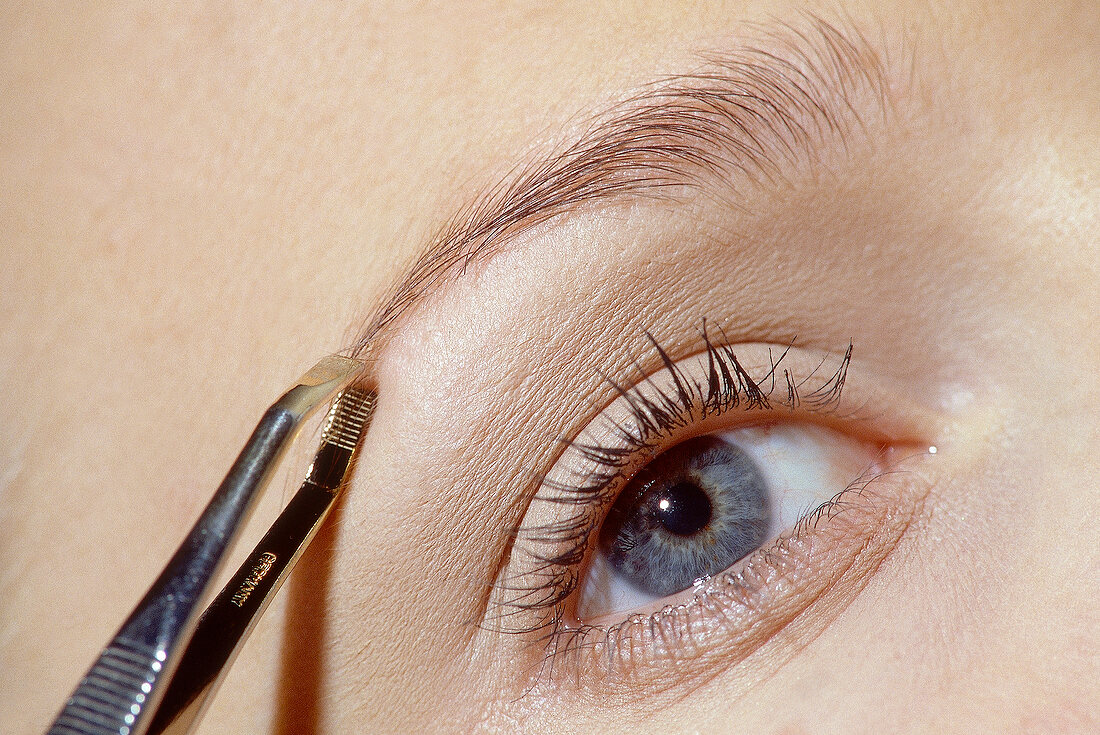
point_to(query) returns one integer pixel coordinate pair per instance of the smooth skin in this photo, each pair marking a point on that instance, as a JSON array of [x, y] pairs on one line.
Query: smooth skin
[[199, 202]]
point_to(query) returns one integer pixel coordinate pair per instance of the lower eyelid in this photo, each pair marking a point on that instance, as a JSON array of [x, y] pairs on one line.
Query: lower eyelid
[[797, 586], [827, 559], [803, 466]]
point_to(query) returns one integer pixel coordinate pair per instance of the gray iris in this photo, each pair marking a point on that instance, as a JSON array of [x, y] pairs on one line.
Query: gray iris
[[691, 512]]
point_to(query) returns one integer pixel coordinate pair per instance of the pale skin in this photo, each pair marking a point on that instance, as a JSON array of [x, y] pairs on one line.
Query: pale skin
[[198, 205]]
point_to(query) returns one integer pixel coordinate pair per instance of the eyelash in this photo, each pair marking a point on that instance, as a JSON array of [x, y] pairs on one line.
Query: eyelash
[[655, 420]]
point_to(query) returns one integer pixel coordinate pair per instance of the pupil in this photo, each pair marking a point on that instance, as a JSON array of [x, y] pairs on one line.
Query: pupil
[[683, 509], [690, 512]]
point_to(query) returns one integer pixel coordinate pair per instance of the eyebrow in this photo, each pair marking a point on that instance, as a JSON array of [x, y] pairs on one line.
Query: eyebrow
[[744, 119]]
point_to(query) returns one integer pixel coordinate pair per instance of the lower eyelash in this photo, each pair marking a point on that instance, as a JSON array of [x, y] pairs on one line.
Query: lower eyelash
[[726, 385], [866, 526]]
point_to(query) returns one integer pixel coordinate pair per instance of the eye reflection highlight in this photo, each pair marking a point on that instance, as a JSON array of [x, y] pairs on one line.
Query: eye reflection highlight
[[812, 457], [689, 513], [700, 507]]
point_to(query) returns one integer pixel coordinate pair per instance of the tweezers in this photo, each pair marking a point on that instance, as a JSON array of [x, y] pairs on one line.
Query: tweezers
[[161, 669]]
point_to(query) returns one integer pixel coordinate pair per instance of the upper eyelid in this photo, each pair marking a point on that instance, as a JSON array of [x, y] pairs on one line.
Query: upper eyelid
[[591, 491], [746, 117], [534, 587]]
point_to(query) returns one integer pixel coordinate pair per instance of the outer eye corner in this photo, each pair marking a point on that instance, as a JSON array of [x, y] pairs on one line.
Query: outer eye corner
[[659, 514]]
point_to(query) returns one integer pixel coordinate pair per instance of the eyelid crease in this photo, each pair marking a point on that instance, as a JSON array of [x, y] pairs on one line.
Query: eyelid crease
[[749, 115]]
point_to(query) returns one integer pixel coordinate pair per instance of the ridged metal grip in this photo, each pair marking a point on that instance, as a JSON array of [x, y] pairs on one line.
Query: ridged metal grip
[[346, 420], [113, 692], [126, 684], [232, 615], [350, 414]]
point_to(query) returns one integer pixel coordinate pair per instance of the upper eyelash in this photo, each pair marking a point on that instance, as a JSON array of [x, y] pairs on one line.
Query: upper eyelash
[[727, 385]]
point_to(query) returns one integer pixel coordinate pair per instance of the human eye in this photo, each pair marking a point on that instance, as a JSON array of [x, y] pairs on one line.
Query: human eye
[[711, 502], [700, 506]]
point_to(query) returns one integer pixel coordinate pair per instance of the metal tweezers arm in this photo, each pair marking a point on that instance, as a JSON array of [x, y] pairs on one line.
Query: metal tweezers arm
[[123, 688]]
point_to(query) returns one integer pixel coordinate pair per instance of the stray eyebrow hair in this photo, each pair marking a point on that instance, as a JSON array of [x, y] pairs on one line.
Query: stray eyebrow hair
[[745, 118]]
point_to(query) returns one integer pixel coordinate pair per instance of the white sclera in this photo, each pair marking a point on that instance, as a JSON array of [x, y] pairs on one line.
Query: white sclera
[[804, 465]]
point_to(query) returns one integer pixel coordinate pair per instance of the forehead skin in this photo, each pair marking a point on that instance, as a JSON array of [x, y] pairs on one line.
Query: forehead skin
[[196, 204]]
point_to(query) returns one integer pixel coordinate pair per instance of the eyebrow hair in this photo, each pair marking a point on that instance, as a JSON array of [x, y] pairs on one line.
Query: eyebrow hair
[[746, 117]]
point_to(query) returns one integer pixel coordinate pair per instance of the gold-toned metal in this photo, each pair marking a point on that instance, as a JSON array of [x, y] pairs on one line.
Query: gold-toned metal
[[259, 571], [233, 614], [126, 685]]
